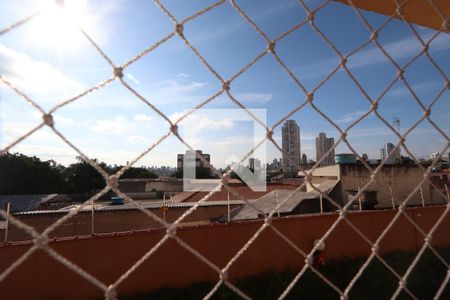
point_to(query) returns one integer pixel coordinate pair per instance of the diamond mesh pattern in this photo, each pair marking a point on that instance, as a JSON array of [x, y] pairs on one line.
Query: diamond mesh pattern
[[40, 240]]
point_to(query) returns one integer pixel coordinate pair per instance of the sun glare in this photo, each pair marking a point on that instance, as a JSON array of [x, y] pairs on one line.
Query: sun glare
[[59, 24]]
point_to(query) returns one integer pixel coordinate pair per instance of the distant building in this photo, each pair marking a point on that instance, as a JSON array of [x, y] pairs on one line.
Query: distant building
[[254, 163], [323, 145], [435, 155], [365, 157], [395, 184], [275, 165], [162, 170], [290, 137], [193, 158], [393, 156], [304, 159]]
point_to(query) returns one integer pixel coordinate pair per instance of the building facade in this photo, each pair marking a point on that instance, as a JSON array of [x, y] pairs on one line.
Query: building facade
[[193, 158], [323, 145], [254, 163], [304, 159], [393, 156], [290, 136]]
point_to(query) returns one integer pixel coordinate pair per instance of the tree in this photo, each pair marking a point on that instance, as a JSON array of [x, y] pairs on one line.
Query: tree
[[21, 174], [135, 173], [200, 173], [81, 177]]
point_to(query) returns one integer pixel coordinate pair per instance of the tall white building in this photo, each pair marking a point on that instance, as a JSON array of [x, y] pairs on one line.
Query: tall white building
[[290, 137], [323, 145], [394, 157]]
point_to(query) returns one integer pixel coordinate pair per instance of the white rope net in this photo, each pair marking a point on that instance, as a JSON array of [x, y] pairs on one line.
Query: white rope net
[[40, 240]]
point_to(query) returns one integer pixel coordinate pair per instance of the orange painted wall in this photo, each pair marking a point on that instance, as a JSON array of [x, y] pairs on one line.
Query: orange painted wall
[[108, 256], [420, 12]]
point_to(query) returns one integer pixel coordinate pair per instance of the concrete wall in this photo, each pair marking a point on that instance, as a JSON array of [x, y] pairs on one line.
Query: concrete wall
[[165, 186], [328, 171], [321, 175], [107, 257], [149, 185], [402, 179]]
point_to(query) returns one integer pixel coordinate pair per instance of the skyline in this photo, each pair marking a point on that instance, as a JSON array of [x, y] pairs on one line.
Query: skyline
[[112, 125]]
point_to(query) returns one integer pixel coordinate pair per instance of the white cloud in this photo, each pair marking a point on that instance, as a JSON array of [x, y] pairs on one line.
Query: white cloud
[[33, 75], [60, 120], [254, 97], [175, 91], [233, 141], [143, 118], [181, 74], [132, 78], [116, 126], [400, 49], [403, 90], [137, 138], [350, 117], [197, 122]]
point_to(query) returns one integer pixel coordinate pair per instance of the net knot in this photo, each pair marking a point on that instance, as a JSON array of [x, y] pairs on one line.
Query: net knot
[[171, 231], [374, 106], [226, 86], [224, 180], [223, 275], [311, 16], [374, 35], [41, 241], [374, 248], [118, 72], [111, 293], [271, 47], [113, 181], [179, 29], [308, 260], [48, 120], [174, 129]]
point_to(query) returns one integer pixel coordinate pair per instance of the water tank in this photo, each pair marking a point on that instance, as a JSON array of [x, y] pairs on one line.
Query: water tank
[[116, 201], [345, 158]]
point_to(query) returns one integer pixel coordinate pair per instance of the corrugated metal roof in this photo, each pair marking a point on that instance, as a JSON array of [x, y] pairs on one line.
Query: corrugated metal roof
[[131, 206], [21, 203], [268, 202]]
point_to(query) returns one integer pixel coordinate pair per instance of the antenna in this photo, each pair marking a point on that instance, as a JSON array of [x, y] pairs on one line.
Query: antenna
[[396, 122]]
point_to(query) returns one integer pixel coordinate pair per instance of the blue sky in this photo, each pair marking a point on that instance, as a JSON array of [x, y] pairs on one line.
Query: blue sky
[[50, 61]]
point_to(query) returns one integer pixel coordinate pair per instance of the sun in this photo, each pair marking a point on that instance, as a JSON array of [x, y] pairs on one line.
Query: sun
[[59, 24]]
